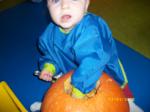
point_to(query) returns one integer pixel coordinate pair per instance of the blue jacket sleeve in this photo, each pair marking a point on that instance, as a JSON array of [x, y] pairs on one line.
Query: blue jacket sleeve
[[92, 50], [46, 51]]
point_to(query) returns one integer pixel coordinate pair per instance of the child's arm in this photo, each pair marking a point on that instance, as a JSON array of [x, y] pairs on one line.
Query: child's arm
[[47, 60], [47, 65], [92, 51]]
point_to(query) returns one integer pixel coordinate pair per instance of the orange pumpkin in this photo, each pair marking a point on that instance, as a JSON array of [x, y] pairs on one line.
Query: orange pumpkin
[[109, 98]]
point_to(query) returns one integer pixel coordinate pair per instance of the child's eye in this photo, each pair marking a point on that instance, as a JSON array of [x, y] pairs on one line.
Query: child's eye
[[55, 1]]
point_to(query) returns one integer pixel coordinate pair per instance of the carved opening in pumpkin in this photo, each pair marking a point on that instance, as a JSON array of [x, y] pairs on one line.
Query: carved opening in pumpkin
[[68, 89]]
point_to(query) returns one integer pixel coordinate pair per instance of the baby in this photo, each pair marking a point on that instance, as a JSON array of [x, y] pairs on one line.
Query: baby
[[80, 41]]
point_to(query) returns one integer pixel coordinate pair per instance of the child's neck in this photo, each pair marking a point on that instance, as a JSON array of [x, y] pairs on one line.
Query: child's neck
[[66, 31]]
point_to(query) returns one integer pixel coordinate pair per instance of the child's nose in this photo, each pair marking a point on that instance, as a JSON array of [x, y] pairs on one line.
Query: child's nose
[[65, 4]]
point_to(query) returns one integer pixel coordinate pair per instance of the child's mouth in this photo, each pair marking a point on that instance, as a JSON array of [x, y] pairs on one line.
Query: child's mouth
[[65, 18]]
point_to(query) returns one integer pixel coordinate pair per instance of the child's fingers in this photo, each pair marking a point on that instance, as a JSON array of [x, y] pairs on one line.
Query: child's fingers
[[46, 76]]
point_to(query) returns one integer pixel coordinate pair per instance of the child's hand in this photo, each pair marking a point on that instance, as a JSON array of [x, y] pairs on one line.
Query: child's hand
[[45, 75]]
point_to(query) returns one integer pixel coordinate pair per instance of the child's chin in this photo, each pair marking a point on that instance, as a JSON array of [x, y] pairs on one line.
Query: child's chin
[[66, 27]]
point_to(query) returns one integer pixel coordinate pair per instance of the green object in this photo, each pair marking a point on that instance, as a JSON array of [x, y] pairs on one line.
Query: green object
[[124, 74], [49, 67], [77, 93]]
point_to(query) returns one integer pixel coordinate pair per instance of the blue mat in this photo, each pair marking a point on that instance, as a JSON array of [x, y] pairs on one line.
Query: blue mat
[[20, 28]]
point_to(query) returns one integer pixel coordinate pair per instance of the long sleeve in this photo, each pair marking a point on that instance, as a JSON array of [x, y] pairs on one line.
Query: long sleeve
[[92, 52], [47, 55]]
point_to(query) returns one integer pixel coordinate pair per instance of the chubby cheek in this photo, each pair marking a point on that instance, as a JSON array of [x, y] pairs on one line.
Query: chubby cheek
[[78, 15], [55, 15]]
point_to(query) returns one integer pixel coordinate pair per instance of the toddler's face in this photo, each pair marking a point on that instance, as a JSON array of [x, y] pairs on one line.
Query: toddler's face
[[67, 13]]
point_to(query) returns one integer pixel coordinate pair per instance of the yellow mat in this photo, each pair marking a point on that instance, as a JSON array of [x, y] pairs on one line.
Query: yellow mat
[[8, 100]]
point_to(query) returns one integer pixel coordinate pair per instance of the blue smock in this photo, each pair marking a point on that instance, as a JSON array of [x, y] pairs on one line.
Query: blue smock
[[88, 49]]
